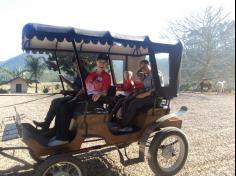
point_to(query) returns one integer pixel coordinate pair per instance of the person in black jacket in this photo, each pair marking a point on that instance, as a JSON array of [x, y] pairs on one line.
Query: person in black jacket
[[76, 85]]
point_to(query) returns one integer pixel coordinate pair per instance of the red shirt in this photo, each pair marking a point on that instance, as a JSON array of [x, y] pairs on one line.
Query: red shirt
[[128, 86], [138, 84], [98, 83]]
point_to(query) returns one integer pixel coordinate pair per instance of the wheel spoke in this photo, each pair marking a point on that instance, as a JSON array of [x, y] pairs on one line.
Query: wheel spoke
[[169, 152], [63, 168]]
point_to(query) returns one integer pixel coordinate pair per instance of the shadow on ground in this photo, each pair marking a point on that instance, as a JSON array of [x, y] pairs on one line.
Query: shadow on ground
[[95, 162]]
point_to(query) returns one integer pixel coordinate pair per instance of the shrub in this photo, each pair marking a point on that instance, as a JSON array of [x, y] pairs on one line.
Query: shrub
[[2, 91], [57, 86], [45, 90], [188, 87]]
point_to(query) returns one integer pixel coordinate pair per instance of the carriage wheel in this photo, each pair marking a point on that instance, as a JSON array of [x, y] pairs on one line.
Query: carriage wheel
[[61, 165], [168, 151]]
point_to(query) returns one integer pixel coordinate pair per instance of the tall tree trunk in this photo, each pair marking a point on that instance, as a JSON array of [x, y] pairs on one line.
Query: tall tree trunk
[[36, 87]]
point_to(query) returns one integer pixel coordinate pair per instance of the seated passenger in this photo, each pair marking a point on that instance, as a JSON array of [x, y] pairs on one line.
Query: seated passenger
[[97, 85], [138, 87], [139, 82], [139, 100], [128, 85], [57, 102]]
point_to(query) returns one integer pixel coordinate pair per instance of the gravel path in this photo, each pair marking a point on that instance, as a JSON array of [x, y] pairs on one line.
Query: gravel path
[[209, 126]]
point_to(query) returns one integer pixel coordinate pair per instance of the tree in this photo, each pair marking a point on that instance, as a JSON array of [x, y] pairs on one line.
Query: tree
[[209, 44], [65, 62], [6, 74], [35, 67]]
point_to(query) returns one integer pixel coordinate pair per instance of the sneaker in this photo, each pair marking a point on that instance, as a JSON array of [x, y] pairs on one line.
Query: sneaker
[[52, 139], [115, 129], [43, 125], [57, 142], [126, 129]]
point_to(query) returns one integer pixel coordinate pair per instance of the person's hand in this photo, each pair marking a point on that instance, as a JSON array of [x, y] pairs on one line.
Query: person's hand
[[79, 93], [140, 96], [96, 97], [66, 92], [143, 95]]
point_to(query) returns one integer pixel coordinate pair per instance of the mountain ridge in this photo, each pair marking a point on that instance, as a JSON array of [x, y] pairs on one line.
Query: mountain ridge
[[17, 62]]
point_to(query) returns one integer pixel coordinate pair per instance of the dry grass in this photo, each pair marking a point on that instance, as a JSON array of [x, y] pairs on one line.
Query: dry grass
[[52, 86], [209, 126]]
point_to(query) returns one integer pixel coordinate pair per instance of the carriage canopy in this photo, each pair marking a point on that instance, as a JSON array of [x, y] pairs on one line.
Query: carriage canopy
[[46, 38]]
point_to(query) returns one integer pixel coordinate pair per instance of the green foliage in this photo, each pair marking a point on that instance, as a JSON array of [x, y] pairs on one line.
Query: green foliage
[[45, 89], [35, 66], [188, 86], [16, 67], [66, 64], [57, 86], [6, 74], [3, 91], [209, 46]]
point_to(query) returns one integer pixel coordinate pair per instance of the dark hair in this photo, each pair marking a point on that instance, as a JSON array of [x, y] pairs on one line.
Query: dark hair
[[144, 62], [102, 56]]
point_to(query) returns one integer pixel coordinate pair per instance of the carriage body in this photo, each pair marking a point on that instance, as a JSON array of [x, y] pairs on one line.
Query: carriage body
[[165, 57]]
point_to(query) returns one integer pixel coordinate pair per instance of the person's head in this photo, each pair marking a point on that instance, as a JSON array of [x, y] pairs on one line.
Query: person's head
[[101, 62], [140, 74], [128, 75], [144, 66], [75, 64]]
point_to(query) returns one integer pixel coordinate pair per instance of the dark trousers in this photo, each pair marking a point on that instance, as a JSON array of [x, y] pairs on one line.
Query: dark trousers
[[122, 103], [133, 106], [67, 111], [63, 118], [55, 104]]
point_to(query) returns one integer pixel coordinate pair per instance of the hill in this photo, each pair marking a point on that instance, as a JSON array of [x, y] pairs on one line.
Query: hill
[[2, 62], [17, 62]]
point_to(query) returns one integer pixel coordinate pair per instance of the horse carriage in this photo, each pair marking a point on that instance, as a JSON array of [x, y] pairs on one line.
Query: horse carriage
[[156, 129]]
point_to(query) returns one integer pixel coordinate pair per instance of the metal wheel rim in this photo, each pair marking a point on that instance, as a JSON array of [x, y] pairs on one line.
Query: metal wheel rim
[[64, 168], [166, 161]]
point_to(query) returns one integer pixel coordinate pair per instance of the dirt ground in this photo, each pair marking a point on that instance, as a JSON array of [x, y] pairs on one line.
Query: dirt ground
[[209, 126]]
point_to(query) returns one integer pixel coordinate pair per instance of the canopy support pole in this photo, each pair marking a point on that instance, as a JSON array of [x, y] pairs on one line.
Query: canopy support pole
[[59, 70], [111, 66], [80, 68], [154, 70]]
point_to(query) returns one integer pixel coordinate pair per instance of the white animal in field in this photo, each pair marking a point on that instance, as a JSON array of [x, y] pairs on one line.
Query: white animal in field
[[221, 86]]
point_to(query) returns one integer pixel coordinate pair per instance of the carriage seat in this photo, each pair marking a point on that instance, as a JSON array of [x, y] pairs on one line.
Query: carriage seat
[[98, 107], [102, 105]]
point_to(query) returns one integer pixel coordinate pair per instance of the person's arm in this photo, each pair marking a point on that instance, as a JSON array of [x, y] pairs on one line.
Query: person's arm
[[80, 92], [78, 82], [145, 94], [66, 81], [106, 86], [128, 85]]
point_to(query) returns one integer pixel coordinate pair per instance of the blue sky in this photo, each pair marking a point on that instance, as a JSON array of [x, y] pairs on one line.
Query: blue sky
[[133, 17]]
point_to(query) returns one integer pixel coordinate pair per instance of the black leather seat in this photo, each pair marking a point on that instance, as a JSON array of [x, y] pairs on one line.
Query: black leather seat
[[98, 107]]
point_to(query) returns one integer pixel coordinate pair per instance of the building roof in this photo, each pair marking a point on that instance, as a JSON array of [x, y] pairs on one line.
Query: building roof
[[28, 81]]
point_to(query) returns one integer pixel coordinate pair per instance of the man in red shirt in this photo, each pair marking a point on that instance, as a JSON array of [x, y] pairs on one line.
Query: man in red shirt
[[97, 85], [99, 81]]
